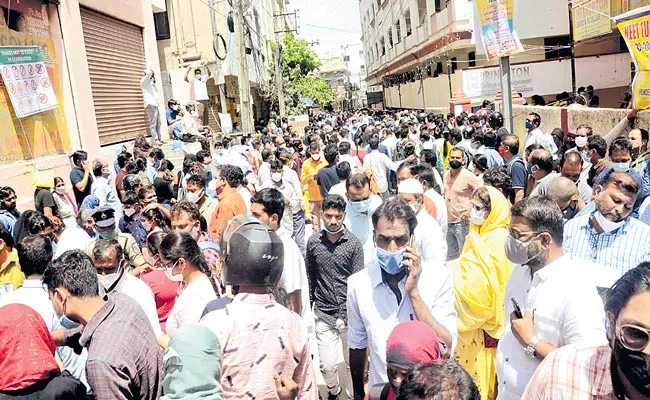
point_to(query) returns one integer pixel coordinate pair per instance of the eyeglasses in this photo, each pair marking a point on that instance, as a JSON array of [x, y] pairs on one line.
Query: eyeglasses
[[633, 337], [168, 267], [517, 235]]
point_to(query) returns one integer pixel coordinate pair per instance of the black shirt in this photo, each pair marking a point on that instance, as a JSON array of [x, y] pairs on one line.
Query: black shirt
[[44, 198], [164, 191], [76, 176], [329, 265], [60, 387], [326, 178]]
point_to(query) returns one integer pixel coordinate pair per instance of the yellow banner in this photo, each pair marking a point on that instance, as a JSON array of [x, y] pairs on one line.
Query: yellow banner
[[635, 29], [591, 19], [497, 32]]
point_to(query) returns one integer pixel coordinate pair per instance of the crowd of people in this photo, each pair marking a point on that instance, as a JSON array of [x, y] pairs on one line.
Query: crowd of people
[[400, 254]]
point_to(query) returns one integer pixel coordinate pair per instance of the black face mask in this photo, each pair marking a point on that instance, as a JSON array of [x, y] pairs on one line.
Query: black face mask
[[569, 212], [455, 164], [635, 365]]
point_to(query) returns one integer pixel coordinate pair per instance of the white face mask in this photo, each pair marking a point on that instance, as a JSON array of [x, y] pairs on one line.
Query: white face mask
[[316, 156], [107, 281], [170, 274], [477, 217], [621, 166], [194, 197], [129, 212], [607, 225], [415, 207], [581, 141], [60, 190], [146, 226], [276, 176]]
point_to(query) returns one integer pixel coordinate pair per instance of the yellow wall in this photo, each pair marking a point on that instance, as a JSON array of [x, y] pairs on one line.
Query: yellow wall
[[45, 133]]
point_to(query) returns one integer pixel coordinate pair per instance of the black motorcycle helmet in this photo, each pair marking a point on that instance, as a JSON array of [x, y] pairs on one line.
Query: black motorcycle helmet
[[495, 120], [251, 253]]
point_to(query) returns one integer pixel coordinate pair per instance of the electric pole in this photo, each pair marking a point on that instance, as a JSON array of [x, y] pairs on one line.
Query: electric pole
[[246, 111], [279, 78]]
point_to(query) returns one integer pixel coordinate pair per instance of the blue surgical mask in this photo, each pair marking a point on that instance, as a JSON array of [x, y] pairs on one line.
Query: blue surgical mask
[[529, 125], [334, 232], [67, 323], [391, 262], [359, 207], [105, 234]]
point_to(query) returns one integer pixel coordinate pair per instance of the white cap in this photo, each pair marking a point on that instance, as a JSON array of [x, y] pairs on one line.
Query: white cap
[[410, 186]]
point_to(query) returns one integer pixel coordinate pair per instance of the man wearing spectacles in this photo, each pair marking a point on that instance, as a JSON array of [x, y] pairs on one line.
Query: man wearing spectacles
[[615, 371], [396, 286], [548, 302]]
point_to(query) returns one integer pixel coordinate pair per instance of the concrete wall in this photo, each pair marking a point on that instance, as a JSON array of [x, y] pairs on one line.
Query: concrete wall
[[126, 10]]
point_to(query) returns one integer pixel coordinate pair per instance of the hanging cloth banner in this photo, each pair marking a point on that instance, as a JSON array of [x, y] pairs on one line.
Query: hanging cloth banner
[[635, 29], [498, 36]]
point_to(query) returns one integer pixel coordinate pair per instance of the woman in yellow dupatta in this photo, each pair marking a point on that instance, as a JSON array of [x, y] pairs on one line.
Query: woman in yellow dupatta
[[480, 277]]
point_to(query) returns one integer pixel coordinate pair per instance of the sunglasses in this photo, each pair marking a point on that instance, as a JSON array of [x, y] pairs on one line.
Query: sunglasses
[[633, 337]]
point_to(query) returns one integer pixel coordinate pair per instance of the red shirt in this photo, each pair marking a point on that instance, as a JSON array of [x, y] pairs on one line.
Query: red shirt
[[164, 293], [119, 179]]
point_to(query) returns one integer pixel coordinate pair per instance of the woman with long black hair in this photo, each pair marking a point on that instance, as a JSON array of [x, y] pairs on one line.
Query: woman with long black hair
[[182, 261]]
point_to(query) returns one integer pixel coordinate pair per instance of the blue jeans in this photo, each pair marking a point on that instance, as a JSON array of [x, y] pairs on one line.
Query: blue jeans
[[456, 235], [299, 230]]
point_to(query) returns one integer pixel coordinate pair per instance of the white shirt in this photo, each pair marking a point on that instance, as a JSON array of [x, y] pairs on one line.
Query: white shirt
[[200, 87], [537, 136], [294, 273], [149, 91], [390, 143], [291, 177], [246, 196], [34, 295], [567, 309], [644, 211], [142, 294], [441, 208], [355, 163], [72, 238], [361, 226], [429, 240], [264, 175], [379, 163], [373, 311], [339, 189], [190, 304]]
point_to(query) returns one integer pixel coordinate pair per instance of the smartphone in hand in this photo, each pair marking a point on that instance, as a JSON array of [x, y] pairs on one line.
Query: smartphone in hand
[[517, 309]]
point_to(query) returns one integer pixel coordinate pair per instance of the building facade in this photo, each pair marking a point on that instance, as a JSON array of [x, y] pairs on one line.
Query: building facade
[[95, 53], [420, 54], [202, 33]]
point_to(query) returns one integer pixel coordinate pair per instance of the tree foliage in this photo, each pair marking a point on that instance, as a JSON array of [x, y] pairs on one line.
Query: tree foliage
[[298, 65]]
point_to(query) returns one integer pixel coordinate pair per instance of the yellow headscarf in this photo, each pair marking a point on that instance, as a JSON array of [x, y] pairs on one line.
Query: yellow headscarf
[[484, 270]]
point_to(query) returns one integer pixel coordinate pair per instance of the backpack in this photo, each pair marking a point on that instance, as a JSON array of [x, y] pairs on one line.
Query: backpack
[[204, 245], [374, 187], [399, 154]]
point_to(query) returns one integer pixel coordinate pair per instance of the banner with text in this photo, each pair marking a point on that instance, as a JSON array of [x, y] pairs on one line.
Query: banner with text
[[591, 18], [498, 36], [635, 29], [27, 81]]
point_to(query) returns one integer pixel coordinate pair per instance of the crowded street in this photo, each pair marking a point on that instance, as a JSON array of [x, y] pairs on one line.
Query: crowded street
[[202, 199]]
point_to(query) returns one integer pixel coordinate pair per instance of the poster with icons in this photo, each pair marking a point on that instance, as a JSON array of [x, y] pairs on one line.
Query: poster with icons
[[27, 81]]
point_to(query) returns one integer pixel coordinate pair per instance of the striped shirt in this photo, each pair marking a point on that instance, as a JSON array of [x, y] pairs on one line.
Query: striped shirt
[[573, 373], [622, 249]]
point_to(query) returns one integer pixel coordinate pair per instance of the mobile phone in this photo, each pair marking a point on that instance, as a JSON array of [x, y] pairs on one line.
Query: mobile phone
[[516, 307]]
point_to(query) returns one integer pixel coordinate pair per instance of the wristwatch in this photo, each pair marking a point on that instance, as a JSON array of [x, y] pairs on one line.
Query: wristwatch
[[530, 349]]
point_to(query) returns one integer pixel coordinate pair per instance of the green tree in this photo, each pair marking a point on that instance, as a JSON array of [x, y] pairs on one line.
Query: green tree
[[298, 65]]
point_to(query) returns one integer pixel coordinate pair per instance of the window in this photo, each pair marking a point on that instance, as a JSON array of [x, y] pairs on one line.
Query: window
[[454, 64], [422, 11], [398, 31], [161, 23], [407, 22], [561, 46], [382, 41], [390, 38], [378, 4], [471, 56], [376, 50], [12, 19], [438, 4]]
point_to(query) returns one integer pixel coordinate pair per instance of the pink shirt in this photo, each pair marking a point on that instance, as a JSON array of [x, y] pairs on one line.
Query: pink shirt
[[458, 193], [260, 338]]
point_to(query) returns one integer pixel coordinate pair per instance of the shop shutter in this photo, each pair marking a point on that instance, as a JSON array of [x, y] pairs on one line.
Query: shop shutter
[[115, 52]]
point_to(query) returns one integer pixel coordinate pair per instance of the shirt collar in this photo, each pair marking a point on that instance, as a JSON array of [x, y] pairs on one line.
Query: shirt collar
[[251, 298], [226, 192], [603, 386], [95, 322], [12, 259], [550, 269]]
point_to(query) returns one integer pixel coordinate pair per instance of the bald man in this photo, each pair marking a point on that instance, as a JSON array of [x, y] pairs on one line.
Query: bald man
[[565, 194], [572, 169]]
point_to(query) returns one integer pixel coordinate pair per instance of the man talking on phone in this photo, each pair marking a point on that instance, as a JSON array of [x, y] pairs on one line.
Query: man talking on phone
[[395, 287], [557, 305], [80, 176]]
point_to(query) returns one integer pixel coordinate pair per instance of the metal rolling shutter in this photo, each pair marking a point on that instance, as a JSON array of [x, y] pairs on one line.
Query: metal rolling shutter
[[115, 52]]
